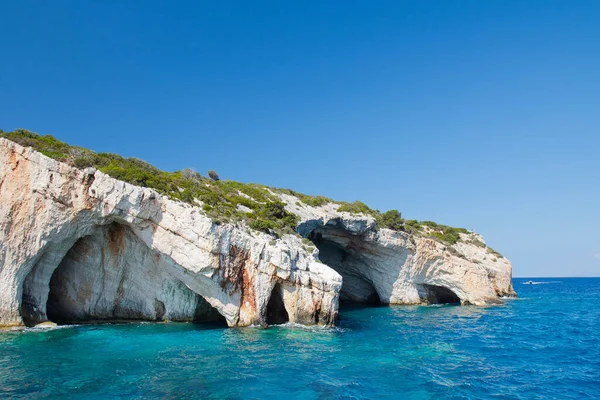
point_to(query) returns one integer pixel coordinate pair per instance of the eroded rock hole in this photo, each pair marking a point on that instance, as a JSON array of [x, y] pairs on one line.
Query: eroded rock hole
[[206, 313], [276, 312], [438, 295], [357, 287], [113, 276]]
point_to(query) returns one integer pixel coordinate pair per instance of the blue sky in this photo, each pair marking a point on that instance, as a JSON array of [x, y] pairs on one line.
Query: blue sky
[[480, 114]]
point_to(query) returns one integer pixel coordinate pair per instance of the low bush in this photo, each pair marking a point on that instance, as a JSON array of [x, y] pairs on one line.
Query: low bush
[[391, 219], [444, 233], [478, 243], [314, 201], [494, 252], [358, 207], [412, 226], [455, 252]]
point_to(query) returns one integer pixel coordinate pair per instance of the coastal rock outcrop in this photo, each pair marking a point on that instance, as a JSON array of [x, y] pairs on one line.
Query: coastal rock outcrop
[[77, 245]]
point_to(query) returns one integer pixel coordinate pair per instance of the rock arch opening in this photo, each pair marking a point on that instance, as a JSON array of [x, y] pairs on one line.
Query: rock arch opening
[[340, 251], [205, 313], [276, 312], [111, 275], [438, 295]]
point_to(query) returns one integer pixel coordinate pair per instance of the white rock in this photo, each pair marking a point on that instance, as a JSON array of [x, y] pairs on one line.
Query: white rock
[[126, 252]]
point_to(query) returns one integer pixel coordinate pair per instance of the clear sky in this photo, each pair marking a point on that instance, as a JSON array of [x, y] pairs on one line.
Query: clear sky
[[479, 114]]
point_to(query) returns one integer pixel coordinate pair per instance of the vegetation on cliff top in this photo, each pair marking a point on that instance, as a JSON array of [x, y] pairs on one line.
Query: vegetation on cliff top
[[222, 200]]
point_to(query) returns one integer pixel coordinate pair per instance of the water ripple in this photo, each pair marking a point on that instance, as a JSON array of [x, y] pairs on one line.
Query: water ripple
[[546, 344]]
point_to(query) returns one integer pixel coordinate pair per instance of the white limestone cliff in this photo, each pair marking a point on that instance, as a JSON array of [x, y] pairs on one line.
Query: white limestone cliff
[[78, 245]]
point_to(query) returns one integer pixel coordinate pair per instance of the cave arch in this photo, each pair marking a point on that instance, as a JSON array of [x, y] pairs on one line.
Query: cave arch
[[276, 311], [339, 251], [433, 294], [112, 275]]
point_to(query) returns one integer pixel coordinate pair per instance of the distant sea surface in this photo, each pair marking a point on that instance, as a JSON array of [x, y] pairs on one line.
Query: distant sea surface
[[544, 345]]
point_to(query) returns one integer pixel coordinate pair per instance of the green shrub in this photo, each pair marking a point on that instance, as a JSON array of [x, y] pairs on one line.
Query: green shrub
[[257, 192], [478, 243], [273, 210], [391, 219], [455, 252], [315, 201], [262, 225], [444, 233], [449, 236], [358, 207], [412, 226], [494, 252]]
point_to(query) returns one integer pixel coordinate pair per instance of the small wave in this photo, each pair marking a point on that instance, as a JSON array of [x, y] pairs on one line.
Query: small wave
[[253, 326], [45, 328], [539, 283], [312, 328]]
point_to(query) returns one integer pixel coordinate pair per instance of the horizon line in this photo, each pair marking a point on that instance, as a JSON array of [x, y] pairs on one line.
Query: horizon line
[[597, 276]]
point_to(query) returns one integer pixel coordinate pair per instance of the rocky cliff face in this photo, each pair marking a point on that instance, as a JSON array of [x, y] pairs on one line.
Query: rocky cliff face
[[78, 245]]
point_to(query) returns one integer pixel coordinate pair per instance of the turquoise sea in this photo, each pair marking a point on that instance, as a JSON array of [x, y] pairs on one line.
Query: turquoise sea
[[544, 345]]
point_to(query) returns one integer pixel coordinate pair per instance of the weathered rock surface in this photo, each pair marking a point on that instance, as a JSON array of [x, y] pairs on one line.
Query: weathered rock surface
[[399, 268], [78, 245], [112, 275]]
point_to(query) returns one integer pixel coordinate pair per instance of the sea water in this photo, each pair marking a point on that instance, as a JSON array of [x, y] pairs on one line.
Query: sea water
[[543, 345]]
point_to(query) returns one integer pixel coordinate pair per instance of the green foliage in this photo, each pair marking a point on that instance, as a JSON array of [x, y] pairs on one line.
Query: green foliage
[[314, 201], [391, 219], [478, 243], [47, 145], [262, 225], [412, 226], [221, 198], [434, 225], [449, 236], [258, 192], [358, 207], [455, 252], [273, 210], [494, 252], [444, 233]]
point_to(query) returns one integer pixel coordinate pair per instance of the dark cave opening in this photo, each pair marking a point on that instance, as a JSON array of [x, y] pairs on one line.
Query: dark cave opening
[[439, 295], [207, 314], [276, 312], [56, 309], [357, 287]]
